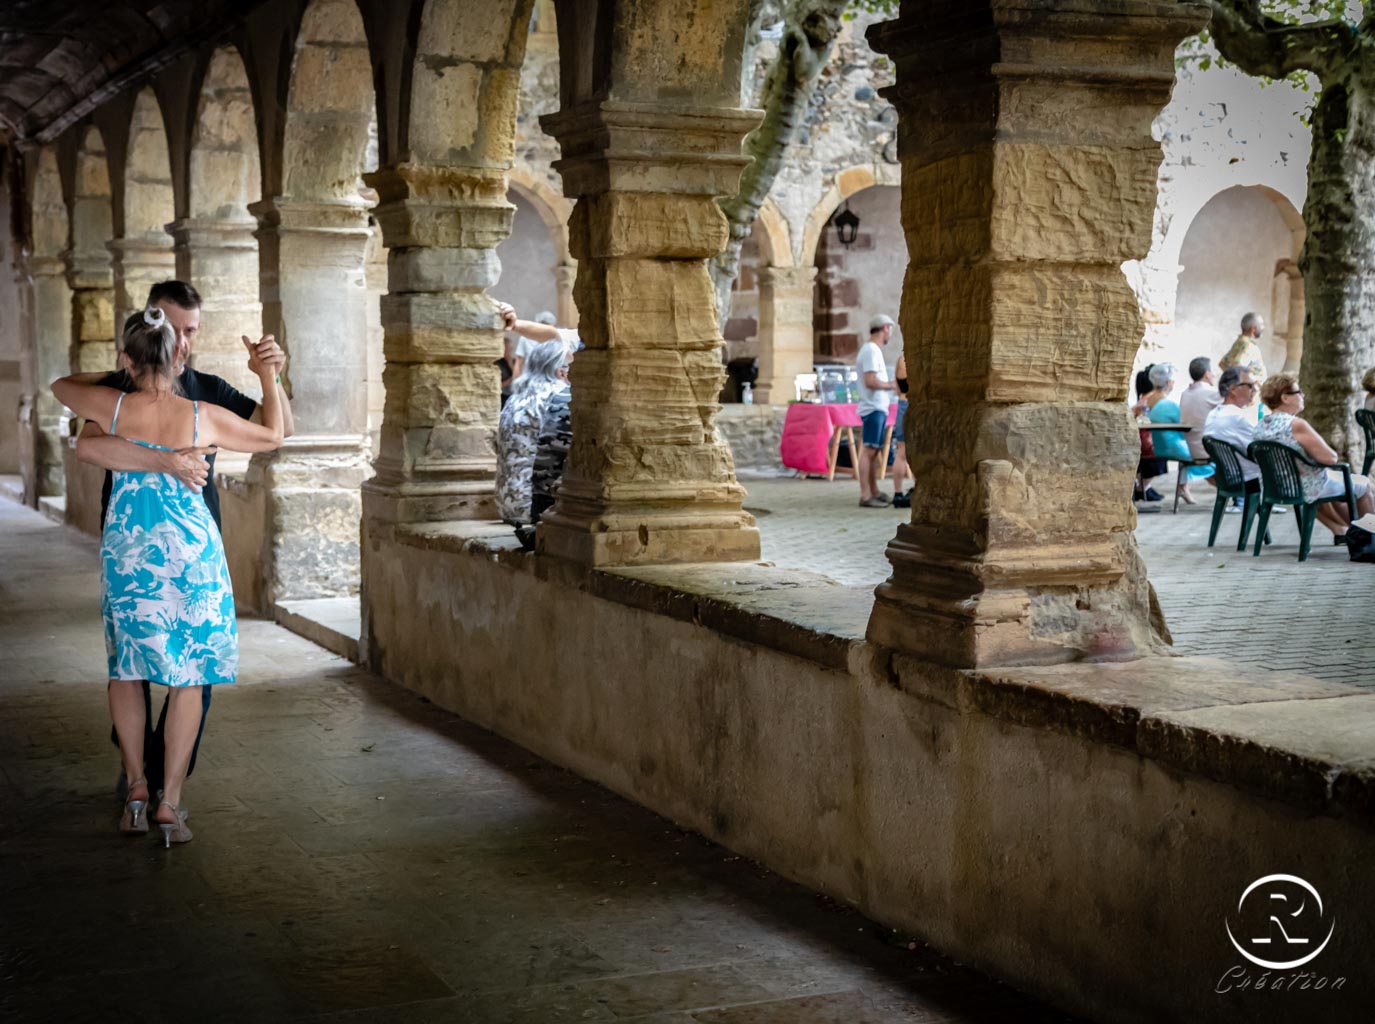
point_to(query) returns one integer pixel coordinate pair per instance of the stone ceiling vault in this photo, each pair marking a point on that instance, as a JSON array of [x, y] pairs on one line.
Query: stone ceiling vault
[[60, 60]]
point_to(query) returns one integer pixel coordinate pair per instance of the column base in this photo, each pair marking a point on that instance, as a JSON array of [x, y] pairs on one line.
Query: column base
[[422, 501], [650, 540], [314, 508], [1090, 604]]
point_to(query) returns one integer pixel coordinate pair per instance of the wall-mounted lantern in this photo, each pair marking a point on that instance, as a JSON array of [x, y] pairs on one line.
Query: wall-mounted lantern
[[846, 225]]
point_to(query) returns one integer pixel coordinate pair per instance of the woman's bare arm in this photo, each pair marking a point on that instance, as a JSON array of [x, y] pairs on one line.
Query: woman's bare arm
[[1312, 442], [87, 399]]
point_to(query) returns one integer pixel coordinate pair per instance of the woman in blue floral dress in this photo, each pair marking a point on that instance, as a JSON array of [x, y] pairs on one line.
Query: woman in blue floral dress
[[166, 597]]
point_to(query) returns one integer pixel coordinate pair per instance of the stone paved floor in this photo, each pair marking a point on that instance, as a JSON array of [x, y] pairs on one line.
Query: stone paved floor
[[362, 856], [1313, 617]]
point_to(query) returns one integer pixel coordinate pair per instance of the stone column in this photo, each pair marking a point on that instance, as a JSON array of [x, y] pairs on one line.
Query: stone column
[[1028, 177], [93, 311], [564, 276], [315, 303], [220, 260], [442, 336], [786, 295], [649, 479], [138, 263], [52, 328]]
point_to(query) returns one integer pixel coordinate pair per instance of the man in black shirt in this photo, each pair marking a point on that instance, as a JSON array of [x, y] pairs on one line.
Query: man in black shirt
[[195, 467]]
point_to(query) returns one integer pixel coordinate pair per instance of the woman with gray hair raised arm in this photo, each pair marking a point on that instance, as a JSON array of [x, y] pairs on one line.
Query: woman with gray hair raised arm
[[546, 374]]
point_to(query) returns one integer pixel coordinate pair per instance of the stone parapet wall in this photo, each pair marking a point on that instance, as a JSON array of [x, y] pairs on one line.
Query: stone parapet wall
[[1082, 831], [754, 433]]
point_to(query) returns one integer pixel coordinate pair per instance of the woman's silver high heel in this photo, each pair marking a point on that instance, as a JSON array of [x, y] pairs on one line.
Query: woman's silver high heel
[[134, 820], [174, 832]]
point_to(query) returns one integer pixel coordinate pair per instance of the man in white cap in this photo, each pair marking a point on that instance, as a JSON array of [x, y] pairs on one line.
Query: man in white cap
[[875, 390]]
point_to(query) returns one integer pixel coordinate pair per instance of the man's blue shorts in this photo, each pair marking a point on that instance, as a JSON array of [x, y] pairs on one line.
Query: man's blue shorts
[[897, 426], [875, 423]]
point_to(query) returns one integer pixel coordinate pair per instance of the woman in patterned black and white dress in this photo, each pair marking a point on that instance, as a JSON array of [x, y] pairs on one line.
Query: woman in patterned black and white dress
[[165, 592]]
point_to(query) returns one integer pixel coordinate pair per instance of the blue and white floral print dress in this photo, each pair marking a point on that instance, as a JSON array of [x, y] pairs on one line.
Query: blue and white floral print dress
[[165, 590]]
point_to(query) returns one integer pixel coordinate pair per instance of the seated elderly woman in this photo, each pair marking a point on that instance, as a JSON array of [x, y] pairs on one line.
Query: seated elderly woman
[[1168, 443], [546, 374], [1283, 400]]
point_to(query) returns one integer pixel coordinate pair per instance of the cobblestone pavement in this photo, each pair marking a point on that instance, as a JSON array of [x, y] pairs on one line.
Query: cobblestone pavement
[[362, 856], [1317, 617]]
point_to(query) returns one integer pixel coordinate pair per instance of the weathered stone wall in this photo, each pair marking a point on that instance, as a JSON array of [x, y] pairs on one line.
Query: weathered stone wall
[[1072, 844], [754, 433]]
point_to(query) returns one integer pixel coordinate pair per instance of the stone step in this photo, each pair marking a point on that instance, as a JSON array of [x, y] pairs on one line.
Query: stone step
[[332, 622]]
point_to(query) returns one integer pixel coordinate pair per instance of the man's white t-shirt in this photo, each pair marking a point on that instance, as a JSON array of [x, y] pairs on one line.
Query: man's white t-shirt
[[1198, 400], [1234, 425], [871, 359]]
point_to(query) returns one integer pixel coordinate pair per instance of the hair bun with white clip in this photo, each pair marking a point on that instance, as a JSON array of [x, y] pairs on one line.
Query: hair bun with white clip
[[153, 316]]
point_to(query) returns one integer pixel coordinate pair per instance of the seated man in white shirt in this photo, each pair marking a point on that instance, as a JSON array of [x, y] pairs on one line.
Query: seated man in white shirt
[[1199, 399], [1234, 421]]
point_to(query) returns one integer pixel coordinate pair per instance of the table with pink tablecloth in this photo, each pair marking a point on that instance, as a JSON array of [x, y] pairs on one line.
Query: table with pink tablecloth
[[810, 430]]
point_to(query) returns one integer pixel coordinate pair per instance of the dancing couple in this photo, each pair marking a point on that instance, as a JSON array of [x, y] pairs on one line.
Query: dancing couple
[[166, 597]]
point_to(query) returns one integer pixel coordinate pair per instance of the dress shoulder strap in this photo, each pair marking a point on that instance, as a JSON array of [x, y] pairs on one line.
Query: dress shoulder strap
[[114, 421], [195, 423]]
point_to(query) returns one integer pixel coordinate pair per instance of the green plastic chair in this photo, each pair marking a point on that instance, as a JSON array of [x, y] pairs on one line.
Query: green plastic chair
[[1230, 482], [1282, 485], [1366, 418]]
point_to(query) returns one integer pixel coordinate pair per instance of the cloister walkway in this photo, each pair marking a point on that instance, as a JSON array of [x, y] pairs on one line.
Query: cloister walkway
[[364, 856]]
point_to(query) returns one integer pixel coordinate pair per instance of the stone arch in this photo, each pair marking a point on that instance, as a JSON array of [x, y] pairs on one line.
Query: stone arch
[[149, 204], [92, 208], [782, 299], [314, 236], [143, 256], [847, 183], [331, 114], [50, 234], [774, 236], [551, 206], [216, 250], [1239, 253], [225, 172], [534, 198], [465, 82], [536, 273], [89, 270], [855, 282], [50, 230]]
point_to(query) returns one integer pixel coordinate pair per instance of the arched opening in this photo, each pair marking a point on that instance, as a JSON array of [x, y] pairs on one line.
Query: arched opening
[[1238, 256], [530, 257], [215, 246], [144, 255], [52, 319], [862, 279]]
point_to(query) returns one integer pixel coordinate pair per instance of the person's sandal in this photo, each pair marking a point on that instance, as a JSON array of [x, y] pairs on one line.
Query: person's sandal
[[174, 832], [134, 820]]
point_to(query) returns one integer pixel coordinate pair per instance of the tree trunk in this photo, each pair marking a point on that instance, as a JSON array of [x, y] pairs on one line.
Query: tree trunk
[[809, 32], [1338, 259]]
